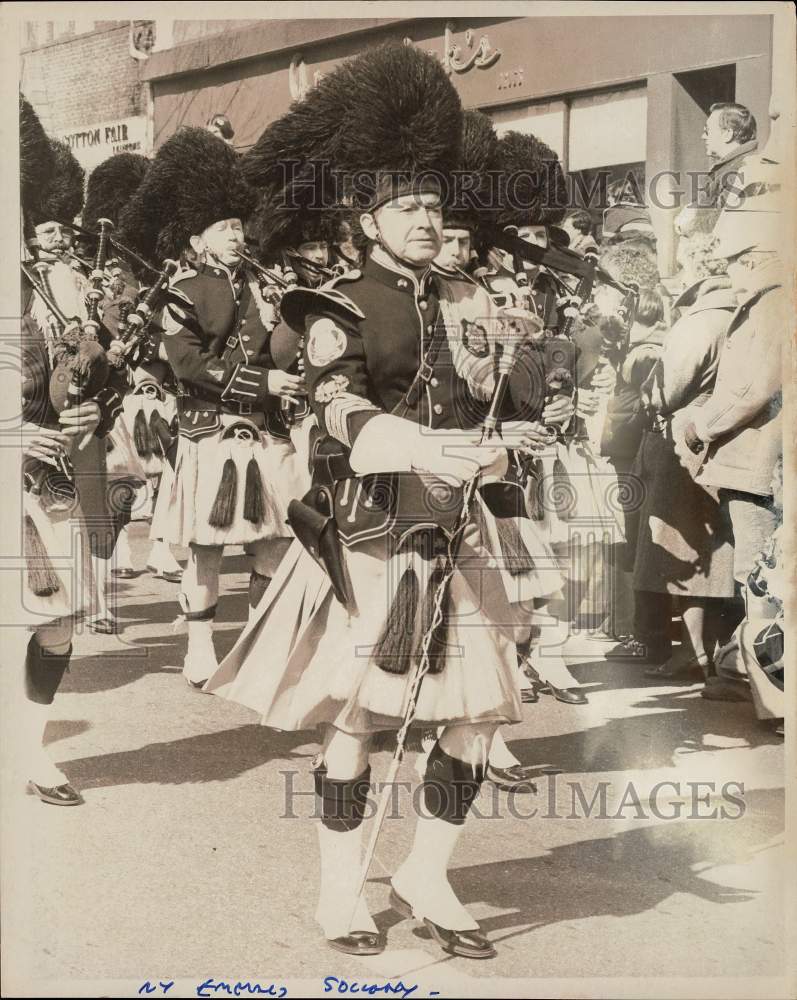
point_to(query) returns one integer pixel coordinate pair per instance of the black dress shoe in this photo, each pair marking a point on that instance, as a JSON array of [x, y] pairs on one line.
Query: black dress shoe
[[511, 779], [570, 696], [529, 696], [124, 572], [57, 795], [465, 944], [678, 669], [170, 575], [358, 943], [104, 626]]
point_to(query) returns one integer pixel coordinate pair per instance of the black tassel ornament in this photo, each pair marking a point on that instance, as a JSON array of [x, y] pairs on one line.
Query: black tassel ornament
[[517, 558], [42, 578], [160, 434], [393, 650], [141, 437], [223, 511], [254, 494], [536, 475], [563, 493]]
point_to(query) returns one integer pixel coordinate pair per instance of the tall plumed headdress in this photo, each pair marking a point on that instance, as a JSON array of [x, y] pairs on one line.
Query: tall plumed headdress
[[194, 180], [296, 198], [111, 185], [533, 191], [474, 191], [61, 196], [36, 156]]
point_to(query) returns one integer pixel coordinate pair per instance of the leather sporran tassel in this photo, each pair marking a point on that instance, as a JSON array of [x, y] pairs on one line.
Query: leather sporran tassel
[[437, 646], [254, 495], [536, 507], [223, 511], [42, 579], [563, 494], [141, 435], [394, 648], [160, 434], [517, 558]]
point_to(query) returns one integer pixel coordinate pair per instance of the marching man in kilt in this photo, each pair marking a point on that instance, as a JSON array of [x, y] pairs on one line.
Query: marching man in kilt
[[59, 583], [192, 205], [399, 394]]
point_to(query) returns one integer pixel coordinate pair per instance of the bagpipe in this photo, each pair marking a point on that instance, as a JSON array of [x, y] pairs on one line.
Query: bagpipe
[[273, 285], [80, 372], [557, 352], [136, 341]]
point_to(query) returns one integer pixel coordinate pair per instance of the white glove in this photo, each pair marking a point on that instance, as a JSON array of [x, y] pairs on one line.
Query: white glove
[[393, 444]]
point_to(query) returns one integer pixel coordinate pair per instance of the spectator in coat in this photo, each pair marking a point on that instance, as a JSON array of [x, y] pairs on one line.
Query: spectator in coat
[[738, 432], [730, 137]]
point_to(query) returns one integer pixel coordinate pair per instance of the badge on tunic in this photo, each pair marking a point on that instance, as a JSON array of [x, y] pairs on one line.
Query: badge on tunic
[[335, 385], [326, 343], [474, 337], [217, 373]]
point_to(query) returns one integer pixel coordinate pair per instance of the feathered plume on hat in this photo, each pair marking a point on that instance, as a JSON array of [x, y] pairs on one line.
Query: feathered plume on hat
[[296, 195], [194, 180], [111, 185], [61, 197], [401, 123], [472, 202], [533, 191], [36, 155]]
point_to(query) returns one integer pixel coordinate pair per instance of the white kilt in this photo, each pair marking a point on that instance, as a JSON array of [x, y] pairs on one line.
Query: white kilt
[[590, 495], [122, 461], [64, 538], [304, 659], [198, 471]]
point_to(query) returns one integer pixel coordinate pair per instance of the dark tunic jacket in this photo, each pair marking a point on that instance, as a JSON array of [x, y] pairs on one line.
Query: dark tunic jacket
[[218, 347]]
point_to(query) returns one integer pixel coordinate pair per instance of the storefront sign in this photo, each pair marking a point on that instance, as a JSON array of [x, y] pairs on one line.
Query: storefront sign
[[95, 143]]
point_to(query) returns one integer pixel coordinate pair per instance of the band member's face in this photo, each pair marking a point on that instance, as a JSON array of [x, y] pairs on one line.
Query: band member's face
[[51, 237], [455, 251], [411, 227], [537, 235], [317, 252], [221, 241]]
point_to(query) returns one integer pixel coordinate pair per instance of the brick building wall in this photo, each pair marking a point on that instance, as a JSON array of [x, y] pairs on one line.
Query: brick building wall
[[79, 79]]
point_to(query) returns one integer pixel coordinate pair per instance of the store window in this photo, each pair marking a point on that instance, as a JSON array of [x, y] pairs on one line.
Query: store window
[[607, 128], [546, 120]]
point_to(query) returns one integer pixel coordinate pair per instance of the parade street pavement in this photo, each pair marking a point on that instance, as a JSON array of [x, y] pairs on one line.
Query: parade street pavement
[[182, 863]]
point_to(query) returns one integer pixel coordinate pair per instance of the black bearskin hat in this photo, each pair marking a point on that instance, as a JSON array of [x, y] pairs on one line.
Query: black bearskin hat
[[36, 156], [472, 202], [296, 196], [533, 191], [194, 180], [385, 122], [62, 197], [278, 227], [111, 185]]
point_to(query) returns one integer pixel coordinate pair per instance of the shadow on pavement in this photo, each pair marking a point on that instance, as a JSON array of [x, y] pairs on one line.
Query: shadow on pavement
[[617, 875], [640, 742], [193, 759]]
